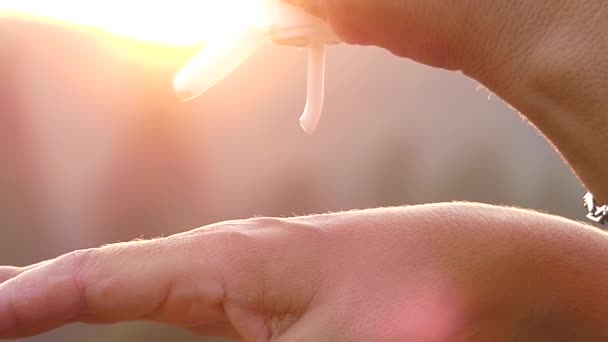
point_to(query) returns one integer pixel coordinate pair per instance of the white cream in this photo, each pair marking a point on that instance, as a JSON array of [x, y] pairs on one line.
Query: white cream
[[283, 24]]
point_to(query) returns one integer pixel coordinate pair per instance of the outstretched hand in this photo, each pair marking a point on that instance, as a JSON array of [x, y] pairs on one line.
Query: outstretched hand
[[446, 272]]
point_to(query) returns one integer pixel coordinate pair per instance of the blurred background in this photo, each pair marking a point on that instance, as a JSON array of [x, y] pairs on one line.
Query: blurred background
[[95, 148]]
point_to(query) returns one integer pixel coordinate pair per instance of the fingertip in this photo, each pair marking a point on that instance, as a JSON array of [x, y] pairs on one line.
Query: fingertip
[[8, 272], [38, 300]]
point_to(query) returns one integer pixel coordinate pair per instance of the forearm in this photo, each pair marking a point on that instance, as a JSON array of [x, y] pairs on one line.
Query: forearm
[[510, 274], [553, 68], [549, 281], [571, 286]]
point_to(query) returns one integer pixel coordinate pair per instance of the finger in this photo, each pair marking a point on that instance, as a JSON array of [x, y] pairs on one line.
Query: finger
[[9, 272], [350, 19], [26, 303], [218, 281], [116, 283], [314, 7], [425, 31]]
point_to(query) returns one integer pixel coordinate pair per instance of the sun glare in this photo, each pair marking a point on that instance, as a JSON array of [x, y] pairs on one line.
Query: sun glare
[[169, 22]]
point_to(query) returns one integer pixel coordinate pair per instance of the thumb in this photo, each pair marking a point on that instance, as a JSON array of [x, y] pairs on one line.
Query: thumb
[[358, 22], [314, 7]]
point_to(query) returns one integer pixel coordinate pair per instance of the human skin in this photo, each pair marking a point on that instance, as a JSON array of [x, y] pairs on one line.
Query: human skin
[[441, 272], [546, 59]]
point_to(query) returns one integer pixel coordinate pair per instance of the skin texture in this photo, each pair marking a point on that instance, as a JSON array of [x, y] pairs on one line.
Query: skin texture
[[546, 59], [441, 272]]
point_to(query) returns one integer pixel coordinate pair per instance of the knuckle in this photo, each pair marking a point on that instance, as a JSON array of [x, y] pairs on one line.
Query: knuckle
[[81, 266], [80, 261], [7, 273], [264, 222]]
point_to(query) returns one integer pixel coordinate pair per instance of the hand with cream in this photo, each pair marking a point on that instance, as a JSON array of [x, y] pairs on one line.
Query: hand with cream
[[549, 60]]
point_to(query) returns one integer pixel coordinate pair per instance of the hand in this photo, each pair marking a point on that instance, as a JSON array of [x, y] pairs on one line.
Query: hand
[[446, 272], [548, 59]]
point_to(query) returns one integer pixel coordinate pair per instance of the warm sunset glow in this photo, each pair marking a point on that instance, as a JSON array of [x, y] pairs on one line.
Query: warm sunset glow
[[171, 22]]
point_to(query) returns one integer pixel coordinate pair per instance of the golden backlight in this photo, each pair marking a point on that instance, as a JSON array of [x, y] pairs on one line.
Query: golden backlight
[[168, 22]]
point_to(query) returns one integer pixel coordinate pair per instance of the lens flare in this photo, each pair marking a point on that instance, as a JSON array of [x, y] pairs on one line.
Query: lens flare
[[171, 22]]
